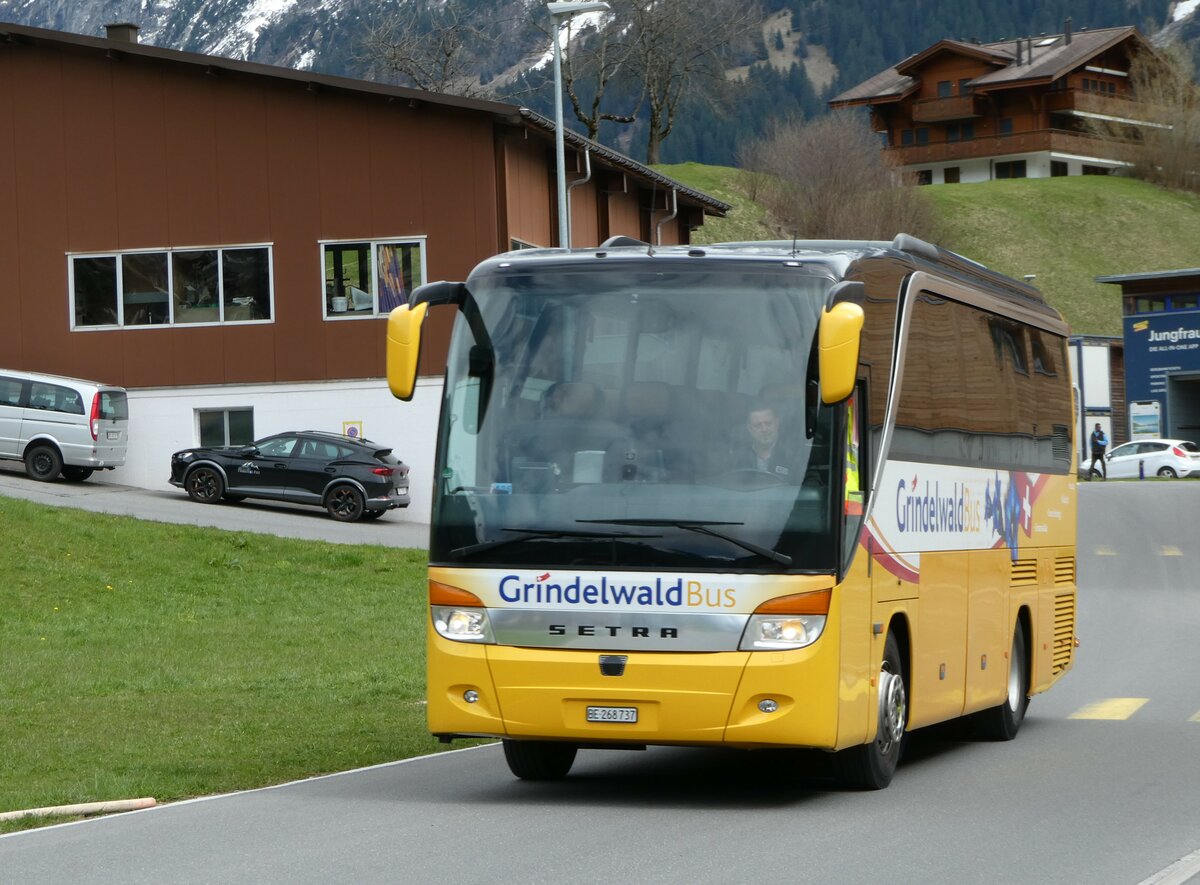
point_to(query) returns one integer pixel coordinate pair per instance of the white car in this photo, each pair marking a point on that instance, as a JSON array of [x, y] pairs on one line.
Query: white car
[[1168, 458]]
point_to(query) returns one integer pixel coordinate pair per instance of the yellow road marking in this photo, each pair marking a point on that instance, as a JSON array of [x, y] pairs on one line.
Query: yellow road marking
[[1169, 551], [1112, 708], [1105, 551]]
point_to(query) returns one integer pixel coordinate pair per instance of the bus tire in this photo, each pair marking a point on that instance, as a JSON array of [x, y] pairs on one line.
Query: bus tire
[[871, 766], [539, 760], [1002, 722]]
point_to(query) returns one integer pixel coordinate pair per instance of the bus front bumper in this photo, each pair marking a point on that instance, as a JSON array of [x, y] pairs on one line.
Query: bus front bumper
[[736, 699]]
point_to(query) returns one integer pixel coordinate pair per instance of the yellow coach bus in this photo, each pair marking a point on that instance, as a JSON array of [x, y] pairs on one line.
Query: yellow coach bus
[[780, 494]]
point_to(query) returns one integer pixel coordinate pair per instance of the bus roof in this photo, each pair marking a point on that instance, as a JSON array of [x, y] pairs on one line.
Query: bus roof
[[838, 256]]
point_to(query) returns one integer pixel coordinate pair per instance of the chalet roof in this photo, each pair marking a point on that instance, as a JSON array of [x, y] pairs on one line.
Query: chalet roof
[[1043, 58], [502, 112]]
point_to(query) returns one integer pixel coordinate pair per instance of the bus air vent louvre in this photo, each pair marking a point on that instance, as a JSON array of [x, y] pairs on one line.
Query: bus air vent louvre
[[613, 665], [1064, 631], [1024, 572], [1064, 570]]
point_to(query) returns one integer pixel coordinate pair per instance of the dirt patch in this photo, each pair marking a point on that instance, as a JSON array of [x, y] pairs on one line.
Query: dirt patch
[[818, 67]]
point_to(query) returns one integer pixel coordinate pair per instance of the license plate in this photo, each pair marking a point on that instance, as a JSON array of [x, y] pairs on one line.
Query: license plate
[[612, 714], [113, 434]]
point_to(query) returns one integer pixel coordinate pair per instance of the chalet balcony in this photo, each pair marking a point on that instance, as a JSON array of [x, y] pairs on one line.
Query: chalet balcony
[[955, 107], [1001, 145], [1068, 100]]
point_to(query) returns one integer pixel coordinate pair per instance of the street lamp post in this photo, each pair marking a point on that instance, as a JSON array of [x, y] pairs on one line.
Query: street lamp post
[[560, 11]]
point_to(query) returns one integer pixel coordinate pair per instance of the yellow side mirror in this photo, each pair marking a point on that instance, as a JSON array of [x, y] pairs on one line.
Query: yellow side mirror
[[838, 341], [404, 348]]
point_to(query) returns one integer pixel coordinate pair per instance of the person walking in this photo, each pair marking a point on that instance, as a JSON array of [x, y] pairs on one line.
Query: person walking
[[1099, 443]]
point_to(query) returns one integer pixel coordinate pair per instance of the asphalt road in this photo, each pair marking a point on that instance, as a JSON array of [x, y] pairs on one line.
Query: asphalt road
[[1110, 798], [398, 528]]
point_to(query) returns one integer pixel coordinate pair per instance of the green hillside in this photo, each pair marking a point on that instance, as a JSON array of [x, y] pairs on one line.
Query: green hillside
[[1066, 231]]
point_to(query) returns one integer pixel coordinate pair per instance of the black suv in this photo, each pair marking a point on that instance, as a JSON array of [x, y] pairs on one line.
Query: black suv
[[350, 477]]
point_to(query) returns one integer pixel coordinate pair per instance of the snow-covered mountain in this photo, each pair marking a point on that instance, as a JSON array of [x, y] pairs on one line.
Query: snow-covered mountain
[[806, 51], [294, 33], [326, 34]]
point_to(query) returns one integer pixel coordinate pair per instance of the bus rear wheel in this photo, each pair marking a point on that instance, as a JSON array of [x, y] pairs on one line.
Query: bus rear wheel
[[539, 760], [1002, 722], [872, 765]]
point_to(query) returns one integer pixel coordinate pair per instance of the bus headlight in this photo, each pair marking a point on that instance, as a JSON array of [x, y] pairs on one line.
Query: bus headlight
[[781, 631], [462, 624]]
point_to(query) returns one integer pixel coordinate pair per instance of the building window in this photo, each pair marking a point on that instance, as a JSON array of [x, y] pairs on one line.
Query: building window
[[945, 89], [924, 176], [1095, 170], [1145, 304], [964, 87], [1010, 169], [514, 244], [171, 287], [369, 278], [1006, 126], [1185, 302], [225, 427], [951, 175], [1058, 169], [906, 137], [923, 136]]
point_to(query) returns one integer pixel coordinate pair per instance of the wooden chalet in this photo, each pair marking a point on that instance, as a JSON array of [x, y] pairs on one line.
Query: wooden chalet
[[965, 111]]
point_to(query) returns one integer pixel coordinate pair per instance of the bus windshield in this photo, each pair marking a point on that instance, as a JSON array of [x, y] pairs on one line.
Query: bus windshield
[[634, 415]]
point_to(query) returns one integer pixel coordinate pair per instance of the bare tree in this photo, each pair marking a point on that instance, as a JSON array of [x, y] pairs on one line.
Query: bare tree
[[1163, 147], [593, 56], [828, 179], [675, 47], [430, 45]]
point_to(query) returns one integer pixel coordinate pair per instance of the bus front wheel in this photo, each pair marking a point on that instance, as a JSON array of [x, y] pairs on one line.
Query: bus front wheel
[[539, 760], [1002, 722], [872, 765]]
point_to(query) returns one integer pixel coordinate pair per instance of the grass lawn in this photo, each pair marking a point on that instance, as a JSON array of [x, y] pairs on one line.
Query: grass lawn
[[145, 659], [1065, 231]]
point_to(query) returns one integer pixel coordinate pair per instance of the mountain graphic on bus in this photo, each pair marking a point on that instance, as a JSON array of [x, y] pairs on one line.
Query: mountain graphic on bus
[[1006, 514]]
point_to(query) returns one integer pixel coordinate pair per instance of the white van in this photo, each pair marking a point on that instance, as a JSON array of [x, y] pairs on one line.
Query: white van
[[62, 425]]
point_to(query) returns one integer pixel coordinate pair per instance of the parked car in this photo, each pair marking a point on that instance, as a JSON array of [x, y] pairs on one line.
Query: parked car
[[1159, 457], [62, 426], [350, 477]]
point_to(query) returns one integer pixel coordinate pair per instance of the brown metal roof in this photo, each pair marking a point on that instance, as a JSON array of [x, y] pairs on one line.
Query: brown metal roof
[[503, 112], [538, 121], [1043, 58]]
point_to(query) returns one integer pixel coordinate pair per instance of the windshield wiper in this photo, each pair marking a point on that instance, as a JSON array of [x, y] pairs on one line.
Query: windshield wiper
[[527, 534], [701, 527]]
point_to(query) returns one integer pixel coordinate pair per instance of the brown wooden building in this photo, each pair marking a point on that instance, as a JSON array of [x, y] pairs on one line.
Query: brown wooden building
[[221, 236], [964, 111]]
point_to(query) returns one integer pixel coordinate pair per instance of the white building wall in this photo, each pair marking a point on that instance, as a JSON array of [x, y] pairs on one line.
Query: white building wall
[[163, 420], [1037, 165]]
